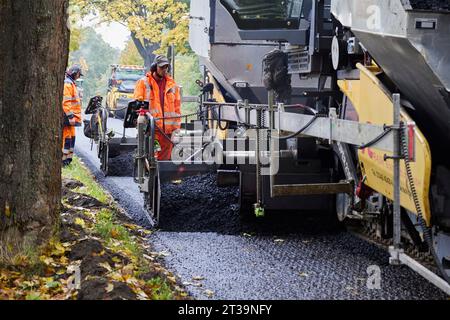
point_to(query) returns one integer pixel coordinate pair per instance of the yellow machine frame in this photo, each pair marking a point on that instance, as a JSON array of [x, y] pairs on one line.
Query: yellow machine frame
[[373, 103]]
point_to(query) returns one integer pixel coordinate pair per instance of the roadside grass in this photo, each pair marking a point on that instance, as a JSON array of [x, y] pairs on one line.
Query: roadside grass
[[45, 272], [106, 225], [109, 230], [77, 171], [119, 236], [161, 291]]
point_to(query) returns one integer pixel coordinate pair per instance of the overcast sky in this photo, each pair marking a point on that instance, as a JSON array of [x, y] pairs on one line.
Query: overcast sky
[[113, 33]]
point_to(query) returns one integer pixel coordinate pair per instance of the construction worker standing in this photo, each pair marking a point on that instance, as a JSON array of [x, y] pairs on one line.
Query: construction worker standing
[[72, 112], [163, 95]]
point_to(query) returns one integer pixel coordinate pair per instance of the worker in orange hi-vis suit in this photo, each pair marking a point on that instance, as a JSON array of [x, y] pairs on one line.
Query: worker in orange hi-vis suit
[[72, 113], [164, 97]]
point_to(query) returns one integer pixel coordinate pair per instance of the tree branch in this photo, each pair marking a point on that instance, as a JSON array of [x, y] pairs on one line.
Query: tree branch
[[139, 45]]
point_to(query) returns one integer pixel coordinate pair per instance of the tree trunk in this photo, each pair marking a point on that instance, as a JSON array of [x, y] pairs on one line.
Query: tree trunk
[[146, 50], [33, 57]]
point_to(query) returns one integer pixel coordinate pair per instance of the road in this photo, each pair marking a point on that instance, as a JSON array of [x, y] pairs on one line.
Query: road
[[285, 257]]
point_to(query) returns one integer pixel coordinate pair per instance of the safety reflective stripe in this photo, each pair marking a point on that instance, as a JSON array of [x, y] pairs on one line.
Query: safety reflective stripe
[[173, 89], [171, 114], [148, 89], [173, 123], [153, 111], [73, 100], [73, 104]]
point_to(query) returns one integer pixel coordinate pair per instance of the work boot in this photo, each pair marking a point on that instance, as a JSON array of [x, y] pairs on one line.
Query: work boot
[[66, 162]]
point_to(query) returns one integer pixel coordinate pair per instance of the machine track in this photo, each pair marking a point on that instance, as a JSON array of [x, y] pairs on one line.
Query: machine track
[[368, 231]]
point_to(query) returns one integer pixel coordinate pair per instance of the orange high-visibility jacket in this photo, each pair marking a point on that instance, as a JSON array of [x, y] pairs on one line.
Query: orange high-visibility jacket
[[147, 90], [72, 101]]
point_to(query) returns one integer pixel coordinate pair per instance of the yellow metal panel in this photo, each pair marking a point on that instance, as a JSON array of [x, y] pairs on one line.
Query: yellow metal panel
[[217, 95], [373, 103]]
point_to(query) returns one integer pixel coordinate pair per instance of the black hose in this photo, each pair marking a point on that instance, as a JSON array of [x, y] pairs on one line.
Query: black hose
[[376, 140], [316, 116], [218, 115]]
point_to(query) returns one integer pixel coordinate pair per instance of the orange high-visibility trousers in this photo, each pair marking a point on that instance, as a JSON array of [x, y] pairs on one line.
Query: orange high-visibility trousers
[[68, 142], [166, 147]]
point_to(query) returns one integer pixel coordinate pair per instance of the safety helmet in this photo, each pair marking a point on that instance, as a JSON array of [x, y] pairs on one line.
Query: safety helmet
[[73, 70]]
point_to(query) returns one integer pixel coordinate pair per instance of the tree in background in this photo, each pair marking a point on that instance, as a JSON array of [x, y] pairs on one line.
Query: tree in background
[[33, 60], [75, 38], [153, 24], [130, 55], [96, 56], [186, 72], [171, 28]]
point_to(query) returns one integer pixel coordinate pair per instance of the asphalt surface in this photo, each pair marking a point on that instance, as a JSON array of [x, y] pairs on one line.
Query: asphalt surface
[[284, 256]]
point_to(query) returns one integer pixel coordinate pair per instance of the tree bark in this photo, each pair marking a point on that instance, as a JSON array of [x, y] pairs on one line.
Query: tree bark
[[34, 42]]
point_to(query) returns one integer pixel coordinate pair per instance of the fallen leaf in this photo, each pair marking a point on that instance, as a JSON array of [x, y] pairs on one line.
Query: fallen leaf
[[58, 250], [115, 233], [80, 222], [148, 257], [198, 278], [7, 210], [109, 287], [106, 266], [60, 272], [279, 240], [128, 270], [209, 293], [49, 271], [46, 260], [116, 276], [116, 259], [33, 296], [146, 232], [131, 226], [141, 295], [303, 274], [131, 280], [116, 243], [64, 260], [52, 284]]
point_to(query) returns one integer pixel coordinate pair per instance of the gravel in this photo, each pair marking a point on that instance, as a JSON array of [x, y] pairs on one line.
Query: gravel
[[283, 256], [197, 204], [122, 165], [318, 266]]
